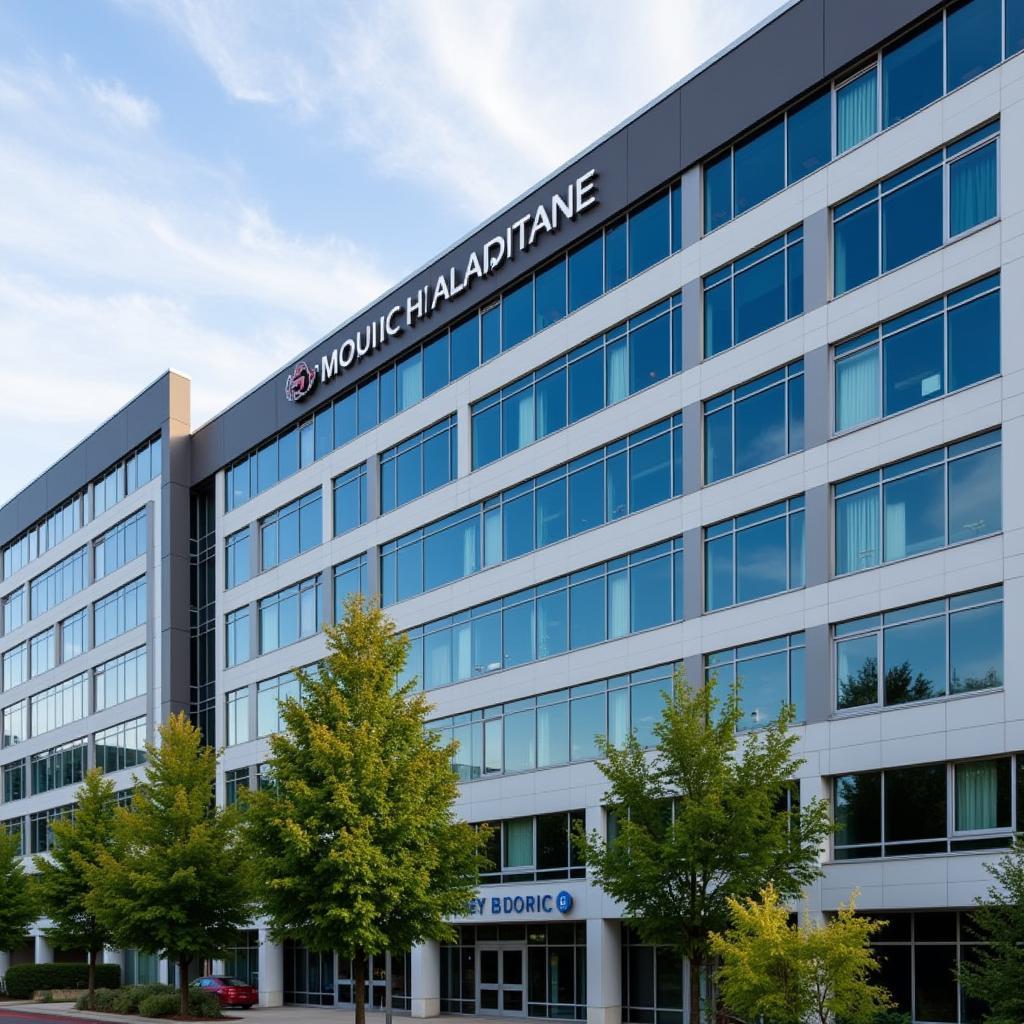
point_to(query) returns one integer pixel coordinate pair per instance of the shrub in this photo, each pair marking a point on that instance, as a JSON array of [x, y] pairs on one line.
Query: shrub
[[46, 997], [160, 1004], [102, 1000], [127, 999], [203, 1004], [25, 979]]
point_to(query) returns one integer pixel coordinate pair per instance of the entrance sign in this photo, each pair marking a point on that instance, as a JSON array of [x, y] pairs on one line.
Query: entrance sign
[[542, 903]]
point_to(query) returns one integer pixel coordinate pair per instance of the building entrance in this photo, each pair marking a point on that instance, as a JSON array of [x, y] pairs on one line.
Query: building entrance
[[501, 979]]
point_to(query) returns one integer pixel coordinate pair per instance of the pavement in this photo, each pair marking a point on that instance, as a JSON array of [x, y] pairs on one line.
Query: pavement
[[13, 1012]]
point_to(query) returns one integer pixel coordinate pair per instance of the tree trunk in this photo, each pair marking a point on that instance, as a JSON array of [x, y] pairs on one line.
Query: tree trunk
[[695, 966], [359, 980], [183, 965], [92, 974]]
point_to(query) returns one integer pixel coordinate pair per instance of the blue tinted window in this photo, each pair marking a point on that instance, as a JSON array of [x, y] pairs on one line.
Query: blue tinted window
[[649, 239], [586, 384], [913, 365], [587, 612], [367, 400], [856, 110], [490, 333], [419, 464], [486, 434], [718, 318], [650, 587], [517, 314], [550, 295], [409, 380], [615, 254], [350, 500], [972, 189], [760, 427], [388, 398], [973, 341], [856, 248], [649, 353], [809, 136], [465, 347], [718, 191], [586, 273], [912, 74], [760, 166], [345, 425], [1014, 27], [760, 297], [550, 398], [435, 365], [912, 220], [973, 40]]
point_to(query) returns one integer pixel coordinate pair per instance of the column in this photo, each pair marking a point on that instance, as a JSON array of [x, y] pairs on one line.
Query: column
[[271, 969], [426, 980], [44, 951], [604, 971], [5, 962]]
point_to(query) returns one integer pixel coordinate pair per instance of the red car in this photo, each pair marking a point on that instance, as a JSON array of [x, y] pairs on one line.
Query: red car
[[230, 991]]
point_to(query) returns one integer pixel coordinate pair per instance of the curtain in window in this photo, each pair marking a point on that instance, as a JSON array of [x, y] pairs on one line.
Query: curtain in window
[[618, 604], [524, 418], [856, 111], [519, 843], [462, 643], [618, 373], [895, 530], [470, 548], [618, 717], [857, 389], [972, 192], [492, 537], [977, 786], [410, 383], [857, 541]]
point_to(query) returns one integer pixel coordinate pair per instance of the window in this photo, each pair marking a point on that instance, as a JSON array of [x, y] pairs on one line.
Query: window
[[936, 349], [61, 704], [350, 577], [236, 627], [74, 635], [15, 665], [13, 608], [49, 531], [902, 812], [758, 422], [912, 73], [121, 746], [236, 705], [15, 723], [625, 595], [1014, 27], [59, 582], [757, 292], [14, 782], [534, 849], [40, 826], [926, 502], [15, 827], [127, 476], [238, 558], [59, 766], [857, 110], [637, 353], [903, 217], [292, 530], [289, 615], [419, 464], [235, 780], [350, 500], [952, 645], [558, 727], [43, 651], [973, 39], [269, 694], [624, 477], [769, 674], [120, 679], [121, 611], [754, 555], [120, 544]]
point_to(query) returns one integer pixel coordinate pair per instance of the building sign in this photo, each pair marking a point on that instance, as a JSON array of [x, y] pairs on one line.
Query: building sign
[[517, 238], [542, 903]]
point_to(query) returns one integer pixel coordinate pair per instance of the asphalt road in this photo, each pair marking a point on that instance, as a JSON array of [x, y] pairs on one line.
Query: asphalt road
[[12, 1016]]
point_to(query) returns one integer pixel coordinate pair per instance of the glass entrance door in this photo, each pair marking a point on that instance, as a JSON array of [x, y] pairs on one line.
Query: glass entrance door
[[501, 980]]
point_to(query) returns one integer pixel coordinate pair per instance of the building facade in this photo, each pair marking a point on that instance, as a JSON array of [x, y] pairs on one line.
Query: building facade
[[738, 390]]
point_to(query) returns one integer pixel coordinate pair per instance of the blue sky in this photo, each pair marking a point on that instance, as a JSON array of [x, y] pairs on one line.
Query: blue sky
[[212, 185]]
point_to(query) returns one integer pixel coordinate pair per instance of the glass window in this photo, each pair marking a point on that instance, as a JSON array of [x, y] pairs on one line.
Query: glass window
[[753, 424], [60, 705], [236, 705], [58, 583], [1014, 27], [120, 544], [120, 679], [350, 577], [857, 110], [270, 693], [238, 558], [465, 347], [550, 294], [982, 795], [973, 39], [418, 464], [759, 166], [119, 612], [942, 497], [517, 314], [290, 615], [912, 73], [754, 555], [586, 273], [809, 136], [121, 746], [291, 530], [236, 626], [649, 234], [350, 500], [751, 295], [972, 188]]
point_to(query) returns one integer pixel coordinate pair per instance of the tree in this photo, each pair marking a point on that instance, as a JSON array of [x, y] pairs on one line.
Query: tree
[[63, 880], [791, 974], [18, 908], [175, 881], [997, 975], [700, 819], [356, 844]]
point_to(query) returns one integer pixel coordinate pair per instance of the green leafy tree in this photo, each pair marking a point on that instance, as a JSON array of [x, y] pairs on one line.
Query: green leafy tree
[[18, 907], [701, 819], [997, 975], [775, 970], [63, 880], [175, 882], [356, 844]]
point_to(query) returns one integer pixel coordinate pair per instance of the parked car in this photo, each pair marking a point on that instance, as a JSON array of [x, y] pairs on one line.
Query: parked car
[[230, 991]]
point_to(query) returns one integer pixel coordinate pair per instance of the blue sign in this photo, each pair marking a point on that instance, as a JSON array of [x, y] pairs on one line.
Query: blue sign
[[564, 902], [542, 903]]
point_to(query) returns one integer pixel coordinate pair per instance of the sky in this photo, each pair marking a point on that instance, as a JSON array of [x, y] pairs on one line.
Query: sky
[[213, 185]]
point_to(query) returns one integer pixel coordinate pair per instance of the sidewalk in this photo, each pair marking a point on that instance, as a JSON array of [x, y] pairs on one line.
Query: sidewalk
[[264, 1015]]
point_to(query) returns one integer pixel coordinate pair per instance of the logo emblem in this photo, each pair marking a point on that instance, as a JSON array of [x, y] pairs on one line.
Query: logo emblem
[[564, 902], [300, 382]]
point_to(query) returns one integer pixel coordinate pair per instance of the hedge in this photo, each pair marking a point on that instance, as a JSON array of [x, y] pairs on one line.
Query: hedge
[[25, 979]]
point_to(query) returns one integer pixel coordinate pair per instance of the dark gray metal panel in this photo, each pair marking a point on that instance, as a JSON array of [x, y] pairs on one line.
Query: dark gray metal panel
[[853, 28], [692, 448], [693, 333], [759, 76], [817, 390], [693, 574], [817, 674], [654, 150], [691, 197], [816, 536], [693, 670], [817, 260]]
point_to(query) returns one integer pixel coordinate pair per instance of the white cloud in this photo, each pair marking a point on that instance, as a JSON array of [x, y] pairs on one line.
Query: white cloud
[[133, 111]]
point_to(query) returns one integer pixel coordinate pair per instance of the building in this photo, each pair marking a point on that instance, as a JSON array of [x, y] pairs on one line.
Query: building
[[737, 388]]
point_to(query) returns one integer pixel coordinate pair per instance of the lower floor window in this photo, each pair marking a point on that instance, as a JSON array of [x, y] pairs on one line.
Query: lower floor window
[[653, 982], [308, 976], [243, 959], [141, 968], [376, 982]]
